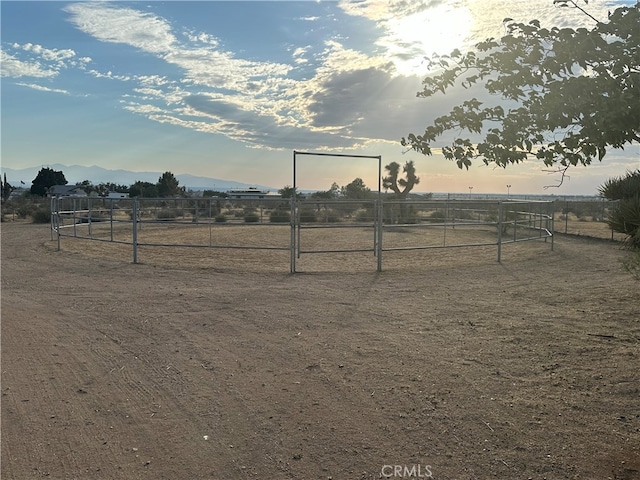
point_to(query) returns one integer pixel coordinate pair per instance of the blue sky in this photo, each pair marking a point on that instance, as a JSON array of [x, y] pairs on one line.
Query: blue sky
[[230, 89]]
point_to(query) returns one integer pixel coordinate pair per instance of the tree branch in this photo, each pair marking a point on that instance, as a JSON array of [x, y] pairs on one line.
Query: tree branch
[[561, 170]]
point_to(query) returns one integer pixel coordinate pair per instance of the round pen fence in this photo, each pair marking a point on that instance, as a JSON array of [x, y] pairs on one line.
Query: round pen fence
[[301, 226]]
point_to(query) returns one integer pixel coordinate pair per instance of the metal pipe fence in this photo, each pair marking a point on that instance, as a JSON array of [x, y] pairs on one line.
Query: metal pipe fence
[[585, 218], [303, 226]]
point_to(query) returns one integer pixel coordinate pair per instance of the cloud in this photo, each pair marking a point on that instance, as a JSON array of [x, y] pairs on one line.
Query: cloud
[[203, 64], [12, 67], [298, 54], [52, 55], [44, 89], [351, 97], [42, 63], [202, 38], [256, 94], [122, 25], [110, 75]]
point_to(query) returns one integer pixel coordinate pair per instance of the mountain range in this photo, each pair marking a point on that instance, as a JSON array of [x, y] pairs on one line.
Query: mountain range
[[96, 175]]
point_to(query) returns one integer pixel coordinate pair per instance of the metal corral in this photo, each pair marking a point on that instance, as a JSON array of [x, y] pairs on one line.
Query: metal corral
[[375, 226]]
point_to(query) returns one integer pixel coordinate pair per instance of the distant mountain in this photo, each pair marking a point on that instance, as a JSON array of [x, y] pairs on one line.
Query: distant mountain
[[97, 175]]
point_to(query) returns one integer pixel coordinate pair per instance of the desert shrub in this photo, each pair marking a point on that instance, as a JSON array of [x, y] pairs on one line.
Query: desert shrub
[[346, 208], [332, 216], [251, 217], [21, 209], [220, 218], [437, 216], [308, 215], [364, 215], [280, 216], [410, 215], [41, 215], [168, 214], [464, 215], [588, 211], [100, 215], [205, 211]]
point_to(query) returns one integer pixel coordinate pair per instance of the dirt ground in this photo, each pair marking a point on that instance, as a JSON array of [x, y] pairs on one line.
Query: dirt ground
[[446, 364]]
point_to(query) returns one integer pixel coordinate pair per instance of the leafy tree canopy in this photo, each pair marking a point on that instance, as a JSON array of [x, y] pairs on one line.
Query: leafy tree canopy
[[287, 192], [567, 95], [356, 190], [330, 194], [47, 178], [143, 189], [168, 185]]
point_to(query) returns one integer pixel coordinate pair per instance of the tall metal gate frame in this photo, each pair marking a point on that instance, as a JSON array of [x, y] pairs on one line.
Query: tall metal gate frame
[[296, 224]]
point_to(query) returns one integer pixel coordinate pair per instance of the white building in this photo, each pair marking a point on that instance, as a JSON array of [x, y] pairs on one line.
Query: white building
[[248, 193]]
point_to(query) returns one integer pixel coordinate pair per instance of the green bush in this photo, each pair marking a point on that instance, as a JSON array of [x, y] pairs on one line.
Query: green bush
[[220, 218]]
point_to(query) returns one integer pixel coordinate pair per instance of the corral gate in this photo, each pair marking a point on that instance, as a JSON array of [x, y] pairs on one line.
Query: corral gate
[[298, 223]]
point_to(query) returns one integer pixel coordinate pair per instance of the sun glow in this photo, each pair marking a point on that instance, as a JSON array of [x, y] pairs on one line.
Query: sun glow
[[411, 38]]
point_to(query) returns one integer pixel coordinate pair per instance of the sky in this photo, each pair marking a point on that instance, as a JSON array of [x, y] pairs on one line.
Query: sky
[[230, 89]]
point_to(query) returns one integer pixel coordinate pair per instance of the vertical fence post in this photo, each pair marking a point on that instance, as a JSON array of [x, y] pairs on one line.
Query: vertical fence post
[[52, 220], [499, 232], [57, 207], [89, 215], [74, 217], [111, 218], [553, 223], [56, 216], [292, 240], [299, 228], [134, 217], [375, 229], [210, 221], [378, 228]]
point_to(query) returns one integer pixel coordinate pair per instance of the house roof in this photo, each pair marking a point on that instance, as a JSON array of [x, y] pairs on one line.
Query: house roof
[[67, 190]]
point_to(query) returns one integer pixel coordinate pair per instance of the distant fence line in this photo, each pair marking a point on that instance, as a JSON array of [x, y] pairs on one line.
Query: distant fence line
[[392, 225]]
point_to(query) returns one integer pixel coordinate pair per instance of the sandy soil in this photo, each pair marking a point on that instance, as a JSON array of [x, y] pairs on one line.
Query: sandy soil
[[446, 363]]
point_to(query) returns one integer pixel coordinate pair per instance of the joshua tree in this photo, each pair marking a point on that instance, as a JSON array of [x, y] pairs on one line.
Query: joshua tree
[[401, 186], [7, 188]]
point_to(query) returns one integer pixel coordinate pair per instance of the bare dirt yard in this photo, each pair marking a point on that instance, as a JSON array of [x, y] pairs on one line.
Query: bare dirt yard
[[201, 364]]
